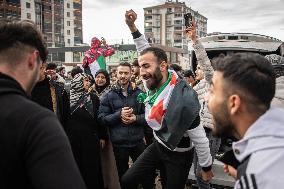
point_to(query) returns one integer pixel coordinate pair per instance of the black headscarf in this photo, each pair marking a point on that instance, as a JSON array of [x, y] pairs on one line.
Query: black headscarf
[[100, 89]]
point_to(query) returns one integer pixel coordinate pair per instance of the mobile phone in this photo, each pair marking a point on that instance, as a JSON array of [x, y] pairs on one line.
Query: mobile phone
[[187, 19], [229, 159]]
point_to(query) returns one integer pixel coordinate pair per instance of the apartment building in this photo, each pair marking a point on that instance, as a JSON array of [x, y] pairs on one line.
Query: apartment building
[[164, 24], [59, 20]]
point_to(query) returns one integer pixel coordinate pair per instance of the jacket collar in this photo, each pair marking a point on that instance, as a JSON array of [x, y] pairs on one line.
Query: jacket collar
[[10, 86], [130, 90]]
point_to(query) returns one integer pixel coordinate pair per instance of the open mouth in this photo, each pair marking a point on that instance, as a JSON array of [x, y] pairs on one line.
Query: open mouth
[[146, 78]]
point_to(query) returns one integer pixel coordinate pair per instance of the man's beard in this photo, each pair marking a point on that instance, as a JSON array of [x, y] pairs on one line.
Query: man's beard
[[123, 81], [154, 80], [223, 125]]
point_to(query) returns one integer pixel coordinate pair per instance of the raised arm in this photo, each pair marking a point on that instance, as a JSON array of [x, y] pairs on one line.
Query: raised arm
[[139, 39], [107, 50], [200, 52]]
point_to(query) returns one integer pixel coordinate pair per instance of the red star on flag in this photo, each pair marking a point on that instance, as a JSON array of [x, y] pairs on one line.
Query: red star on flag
[[157, 112]]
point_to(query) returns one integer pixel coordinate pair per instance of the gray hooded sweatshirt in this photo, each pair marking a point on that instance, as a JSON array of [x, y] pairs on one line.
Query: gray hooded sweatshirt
[[264, 143]]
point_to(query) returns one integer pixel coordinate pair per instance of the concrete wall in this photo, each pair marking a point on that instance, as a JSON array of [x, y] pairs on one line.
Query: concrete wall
[[25, 10], [68, 38]]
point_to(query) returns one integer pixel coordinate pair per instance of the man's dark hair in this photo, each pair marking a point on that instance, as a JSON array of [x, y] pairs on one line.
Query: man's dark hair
[[61, 68], [251, 76], [135, 63], [18, 38], [75, 71], [176, 67], [51, 66], [188, 73], [125, 64], [159, 53]]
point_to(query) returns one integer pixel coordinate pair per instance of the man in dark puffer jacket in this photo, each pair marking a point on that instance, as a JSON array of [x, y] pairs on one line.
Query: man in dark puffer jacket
[[121, 112]]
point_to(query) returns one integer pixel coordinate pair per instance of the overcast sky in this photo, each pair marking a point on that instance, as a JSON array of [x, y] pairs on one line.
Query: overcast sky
[[106, 17]]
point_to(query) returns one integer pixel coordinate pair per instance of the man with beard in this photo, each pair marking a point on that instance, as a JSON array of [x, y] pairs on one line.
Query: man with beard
[[35, 152], [120, 111], [172, 111], [242, 88]]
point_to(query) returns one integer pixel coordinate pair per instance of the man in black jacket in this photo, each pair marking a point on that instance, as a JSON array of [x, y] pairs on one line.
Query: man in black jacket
[[121, 112], [35, 152], [49, 94]]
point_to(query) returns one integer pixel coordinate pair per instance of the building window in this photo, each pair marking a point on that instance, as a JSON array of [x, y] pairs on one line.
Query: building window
[[29, 16], [69, 41], [148, 17], [68, 14], [178, 28], [177, 40], [168, 35], [178, 9], [178, 22], [68, 32], [244, 37], [147, 24], [168, 23], [28, 5], [148, 29], [68, 5], [68, 23], [177, 15], [233, 37]]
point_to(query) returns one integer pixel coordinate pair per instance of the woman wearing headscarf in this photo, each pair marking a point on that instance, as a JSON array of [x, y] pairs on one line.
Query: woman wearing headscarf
[[84, 131], [111, 181], [102, 83]]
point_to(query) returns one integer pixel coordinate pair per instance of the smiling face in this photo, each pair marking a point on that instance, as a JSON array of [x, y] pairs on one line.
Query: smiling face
[[150, 70], [100, 80], [123, 75], [199, 73], [217, 104]]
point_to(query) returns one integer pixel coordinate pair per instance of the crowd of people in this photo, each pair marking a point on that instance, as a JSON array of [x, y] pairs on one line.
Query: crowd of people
[[165, 119]]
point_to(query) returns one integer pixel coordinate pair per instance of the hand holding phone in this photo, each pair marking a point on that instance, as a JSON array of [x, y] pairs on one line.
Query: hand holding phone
[[191, 27], [229, 158], [187, 20]]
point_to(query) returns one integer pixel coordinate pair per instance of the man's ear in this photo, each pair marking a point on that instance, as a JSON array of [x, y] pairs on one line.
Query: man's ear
[[164, 66], [234, 104], [32, 60]]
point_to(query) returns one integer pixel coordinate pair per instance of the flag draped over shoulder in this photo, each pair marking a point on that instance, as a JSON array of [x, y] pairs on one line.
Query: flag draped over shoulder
[[171, 110], [94, 58], [157, 103]]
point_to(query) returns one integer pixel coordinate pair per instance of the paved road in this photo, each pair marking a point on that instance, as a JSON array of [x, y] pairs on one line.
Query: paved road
[[220, 180]]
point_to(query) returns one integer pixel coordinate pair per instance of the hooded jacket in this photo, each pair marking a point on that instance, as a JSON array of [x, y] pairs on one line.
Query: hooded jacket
[[263, 144]]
